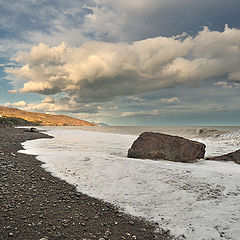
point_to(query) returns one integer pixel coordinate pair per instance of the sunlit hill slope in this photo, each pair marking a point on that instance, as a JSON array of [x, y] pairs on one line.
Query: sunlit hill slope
[[43, 119]]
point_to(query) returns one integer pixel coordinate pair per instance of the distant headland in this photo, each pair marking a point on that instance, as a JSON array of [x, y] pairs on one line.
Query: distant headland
[[16, 116]]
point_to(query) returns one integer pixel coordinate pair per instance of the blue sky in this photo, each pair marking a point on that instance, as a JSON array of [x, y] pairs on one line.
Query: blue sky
[[139, 62]]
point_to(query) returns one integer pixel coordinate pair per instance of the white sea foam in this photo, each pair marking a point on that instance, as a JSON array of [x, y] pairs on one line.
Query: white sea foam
[[199, 201]]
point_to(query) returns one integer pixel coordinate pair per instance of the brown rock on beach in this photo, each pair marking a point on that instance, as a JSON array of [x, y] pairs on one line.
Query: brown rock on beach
[[150, 145], [233, 156]]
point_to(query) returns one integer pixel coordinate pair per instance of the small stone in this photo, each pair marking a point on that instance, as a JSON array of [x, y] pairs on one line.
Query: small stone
[[107, 234], [58, 234]]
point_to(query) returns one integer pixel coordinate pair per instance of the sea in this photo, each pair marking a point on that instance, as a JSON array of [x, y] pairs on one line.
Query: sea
[[194, 201]]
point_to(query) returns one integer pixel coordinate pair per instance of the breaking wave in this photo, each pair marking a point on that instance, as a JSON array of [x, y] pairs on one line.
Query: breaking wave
[[205, 132], [218, 134]]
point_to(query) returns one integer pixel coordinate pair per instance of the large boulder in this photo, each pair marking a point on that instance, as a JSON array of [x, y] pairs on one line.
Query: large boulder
[[156, 146], [233, 156]]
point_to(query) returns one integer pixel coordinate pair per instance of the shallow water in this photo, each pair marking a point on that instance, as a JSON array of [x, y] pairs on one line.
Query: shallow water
[[199, 201]]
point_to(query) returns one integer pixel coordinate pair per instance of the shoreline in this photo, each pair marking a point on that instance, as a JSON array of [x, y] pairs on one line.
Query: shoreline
[[34, 204]]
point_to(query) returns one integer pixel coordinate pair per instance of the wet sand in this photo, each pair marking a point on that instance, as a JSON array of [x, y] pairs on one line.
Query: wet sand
[[36, 205]]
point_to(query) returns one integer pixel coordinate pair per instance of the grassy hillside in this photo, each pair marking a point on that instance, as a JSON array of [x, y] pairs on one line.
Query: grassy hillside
[[41, 118]]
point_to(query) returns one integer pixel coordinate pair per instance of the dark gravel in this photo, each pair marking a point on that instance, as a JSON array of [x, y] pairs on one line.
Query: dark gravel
[[36, 205]]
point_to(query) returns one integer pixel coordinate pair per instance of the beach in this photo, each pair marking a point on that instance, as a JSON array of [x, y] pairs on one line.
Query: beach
[[36, 205], [192, 201]]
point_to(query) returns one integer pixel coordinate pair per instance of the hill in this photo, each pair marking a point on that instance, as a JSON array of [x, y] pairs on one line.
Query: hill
[[42, 118]]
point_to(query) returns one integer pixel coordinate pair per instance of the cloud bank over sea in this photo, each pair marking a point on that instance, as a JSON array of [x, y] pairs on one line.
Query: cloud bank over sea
[[99, 71]]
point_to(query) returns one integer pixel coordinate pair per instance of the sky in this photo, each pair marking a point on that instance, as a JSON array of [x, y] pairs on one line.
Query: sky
[[138, 62]]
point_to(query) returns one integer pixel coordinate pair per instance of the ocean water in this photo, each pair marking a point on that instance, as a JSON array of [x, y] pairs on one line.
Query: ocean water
[[199, 201]]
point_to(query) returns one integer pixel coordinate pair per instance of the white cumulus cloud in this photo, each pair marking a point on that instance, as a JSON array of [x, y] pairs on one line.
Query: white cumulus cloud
[[170, 100], [48, 100], [140, 113], [62, 105], [20, 104], [99, 71]]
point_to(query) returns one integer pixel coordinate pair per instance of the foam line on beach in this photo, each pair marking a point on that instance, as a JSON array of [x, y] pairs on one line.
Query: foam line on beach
[[199, 201]]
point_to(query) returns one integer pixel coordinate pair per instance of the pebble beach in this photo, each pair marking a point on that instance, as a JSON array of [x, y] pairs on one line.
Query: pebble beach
[[36, 205]]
